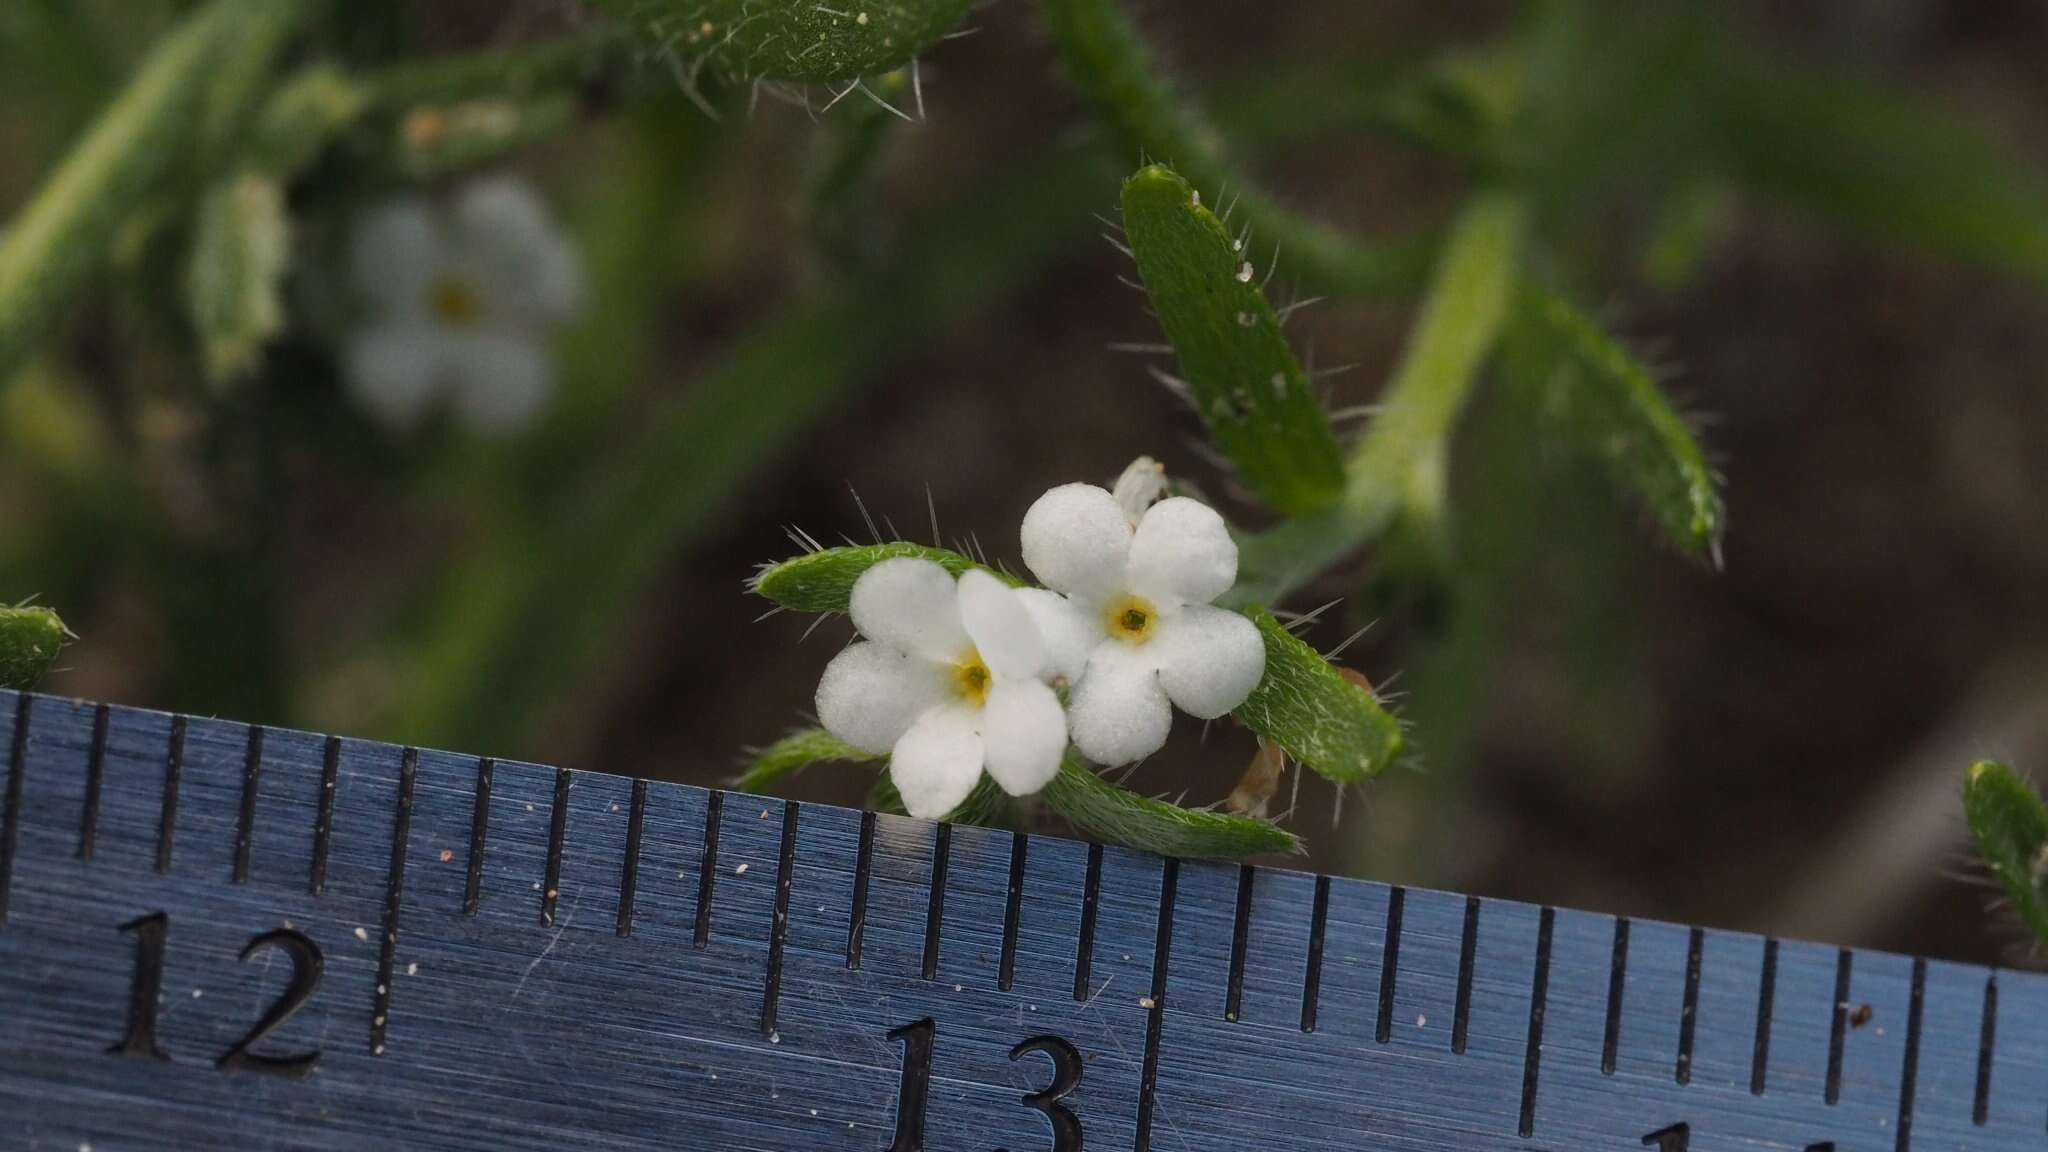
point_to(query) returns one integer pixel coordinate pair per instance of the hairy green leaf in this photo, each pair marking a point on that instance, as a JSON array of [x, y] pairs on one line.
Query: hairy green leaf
[[1308, 708], [794, 753], [234, 284], [1111, 64], [63, 233], [1116, 815], [1591, 387], [30, 639], [1245, 383], [302, 117], [822, 581], [2010, 825], [794, 39]]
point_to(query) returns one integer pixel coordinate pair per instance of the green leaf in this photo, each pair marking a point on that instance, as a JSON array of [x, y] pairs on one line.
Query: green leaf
[[63, 233], [822, 581], [1116, 815], [1307, 707], [1114, 69], [302, 117], [234, 284], [1245, 383], [30, 639], [794, 753], [2010, 825], [793, 39], [1840, 148], [1590, 386]]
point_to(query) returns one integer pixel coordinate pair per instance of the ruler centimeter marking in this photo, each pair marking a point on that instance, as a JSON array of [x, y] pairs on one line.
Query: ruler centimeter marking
[[870, 982]]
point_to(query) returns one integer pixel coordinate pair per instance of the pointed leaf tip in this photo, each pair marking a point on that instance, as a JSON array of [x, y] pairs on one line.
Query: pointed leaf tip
[[2010, 826], [822, 581], [30, 641], [1243, 380], [1313, 711]]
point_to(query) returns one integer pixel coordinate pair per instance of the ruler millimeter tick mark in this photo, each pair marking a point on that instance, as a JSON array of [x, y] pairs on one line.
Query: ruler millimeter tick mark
[[883, 980]]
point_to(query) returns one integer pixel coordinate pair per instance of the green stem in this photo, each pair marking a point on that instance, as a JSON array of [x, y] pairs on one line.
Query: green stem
[[1399, 464], [1108, 59], [193, 79]]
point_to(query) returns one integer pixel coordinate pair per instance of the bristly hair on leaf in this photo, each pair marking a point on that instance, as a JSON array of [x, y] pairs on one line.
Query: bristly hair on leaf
[[1106, 811], [2010, 825], [1320, 716], [793, 40], [822, 581], [1241, 377], [770, 766], [30, 640], [1608, 402]]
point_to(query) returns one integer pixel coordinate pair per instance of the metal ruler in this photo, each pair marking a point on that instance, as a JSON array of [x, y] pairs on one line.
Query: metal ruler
[[217, 936]]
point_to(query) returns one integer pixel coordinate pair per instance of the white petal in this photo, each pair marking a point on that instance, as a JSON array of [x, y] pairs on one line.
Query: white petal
[[1076, 540], [910, 604], [1182, 554], [938, 762], [501, 380], [1024, 734], [871, 694], [1209, 659], [1118, 712], [396, 371], [395, 253], [1002, 630], [510, 245], [1141, 484], [1069, 630]]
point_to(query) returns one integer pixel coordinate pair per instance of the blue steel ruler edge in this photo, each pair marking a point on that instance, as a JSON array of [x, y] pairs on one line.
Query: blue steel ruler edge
[[214, 935]]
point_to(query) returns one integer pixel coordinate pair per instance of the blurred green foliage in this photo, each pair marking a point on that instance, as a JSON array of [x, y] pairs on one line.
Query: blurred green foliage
[[167, 347]]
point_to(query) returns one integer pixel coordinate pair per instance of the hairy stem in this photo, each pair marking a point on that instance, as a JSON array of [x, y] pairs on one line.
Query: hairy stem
[[1400, 462]]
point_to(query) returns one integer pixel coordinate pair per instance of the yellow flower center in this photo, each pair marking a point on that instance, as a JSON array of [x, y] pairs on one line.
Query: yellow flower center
[[971, 678], [454, 303], [1130, 618]]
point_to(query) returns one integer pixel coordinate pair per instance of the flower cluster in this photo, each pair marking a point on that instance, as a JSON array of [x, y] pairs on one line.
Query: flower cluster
[[460, 302], [956, 676]]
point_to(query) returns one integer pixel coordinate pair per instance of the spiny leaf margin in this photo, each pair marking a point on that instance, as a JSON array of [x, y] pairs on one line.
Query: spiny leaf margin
[[797, 40], [2010, 825], [795, 752], [31, 638], [1245, 383], [1320, 718], [1610, 403], [1113, 814], [822, 581]]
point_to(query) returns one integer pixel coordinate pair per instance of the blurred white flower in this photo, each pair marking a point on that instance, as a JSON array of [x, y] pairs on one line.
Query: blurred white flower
[[461, 301], [1135, 631], [947, 682]]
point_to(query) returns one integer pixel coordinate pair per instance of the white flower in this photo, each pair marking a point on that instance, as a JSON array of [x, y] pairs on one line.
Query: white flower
[[947, 683], [1135, 628], [461, 303]]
